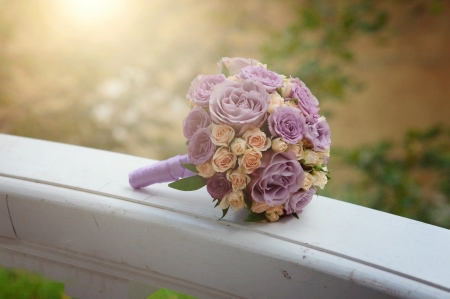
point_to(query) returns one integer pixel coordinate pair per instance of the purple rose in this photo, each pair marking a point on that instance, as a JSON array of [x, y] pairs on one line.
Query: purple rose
[[305, 103], [299, 200], [287, 123], [269, 79], [218, 185], [238, 104], [236, 64], [278, 177], [305, 88], [196, 119], [319, 135], [200, 147], [201, 88]]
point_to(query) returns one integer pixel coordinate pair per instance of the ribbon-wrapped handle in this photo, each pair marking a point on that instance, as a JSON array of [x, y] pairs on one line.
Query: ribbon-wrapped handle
[[165, 171]]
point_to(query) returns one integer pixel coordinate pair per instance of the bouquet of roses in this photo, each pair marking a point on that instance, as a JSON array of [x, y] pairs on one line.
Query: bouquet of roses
[[255, 139]]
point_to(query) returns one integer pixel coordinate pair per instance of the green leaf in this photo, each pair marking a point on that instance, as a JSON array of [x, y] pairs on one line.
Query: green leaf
[[190, 167], [217, 203], [255, 217], [225, 71], [224, 211], [295, 215], [189, 184]]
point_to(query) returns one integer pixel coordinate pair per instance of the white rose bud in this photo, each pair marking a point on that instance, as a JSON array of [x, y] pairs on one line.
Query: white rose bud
[[279, 145], [222, 135], [275, 101], [257, 139], [291, 104], [205, 170], [234, 199], [191, 103], [223, 160], [320, 179], [238, 146], [311, 157], [297, 149], [308, 182], [238, 179], [234, 78], [286, 90], [325, 153], [263, 65]]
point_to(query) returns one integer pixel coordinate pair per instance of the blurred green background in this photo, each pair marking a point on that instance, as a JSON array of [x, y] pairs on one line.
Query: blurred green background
[[113, 74]]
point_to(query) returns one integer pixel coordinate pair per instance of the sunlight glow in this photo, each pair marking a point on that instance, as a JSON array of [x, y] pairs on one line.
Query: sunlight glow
[[91, 11]]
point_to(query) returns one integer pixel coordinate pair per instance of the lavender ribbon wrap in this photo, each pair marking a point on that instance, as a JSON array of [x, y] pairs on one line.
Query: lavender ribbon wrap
[[165, 171]]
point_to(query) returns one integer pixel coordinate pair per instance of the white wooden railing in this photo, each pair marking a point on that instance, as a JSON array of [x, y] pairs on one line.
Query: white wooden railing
[[69, 213]]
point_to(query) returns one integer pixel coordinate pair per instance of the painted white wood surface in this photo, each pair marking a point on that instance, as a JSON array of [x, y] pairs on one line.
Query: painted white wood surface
[[72, 208]]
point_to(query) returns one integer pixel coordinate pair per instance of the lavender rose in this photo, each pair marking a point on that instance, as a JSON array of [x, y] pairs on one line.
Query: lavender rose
[[196, 119], [299, 200], [201, 88], [239, 103], [269, 79], [200, 147], [236, 64], [319, 135], [278, 177], [218, 185], [305, 103], [287, 123], [300, 83]]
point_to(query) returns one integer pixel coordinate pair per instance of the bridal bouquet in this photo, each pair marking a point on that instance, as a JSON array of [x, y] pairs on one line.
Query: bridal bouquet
[[255, 140]]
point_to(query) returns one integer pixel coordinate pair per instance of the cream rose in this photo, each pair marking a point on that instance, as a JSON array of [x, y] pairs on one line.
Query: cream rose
[[234, 199], [308, 181], [222, 135], [286, 90], [238, 179], [206, 170], [323, 155], [311, 157], [257, 139], [320, 179], [279, 145], [238, 146], [234, 78], [259, 207], [291, 104], [297, 149], [250, 160], [223, 160], [274, 213], [191, 104], [275, 101]]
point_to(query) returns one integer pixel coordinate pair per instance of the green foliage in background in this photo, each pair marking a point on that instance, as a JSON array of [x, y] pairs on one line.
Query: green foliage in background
[[318, 43], [409, 179], [20, 284], [320, 37]]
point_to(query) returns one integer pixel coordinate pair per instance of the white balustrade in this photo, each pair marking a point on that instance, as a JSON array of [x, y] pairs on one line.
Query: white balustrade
[[68, 212]]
